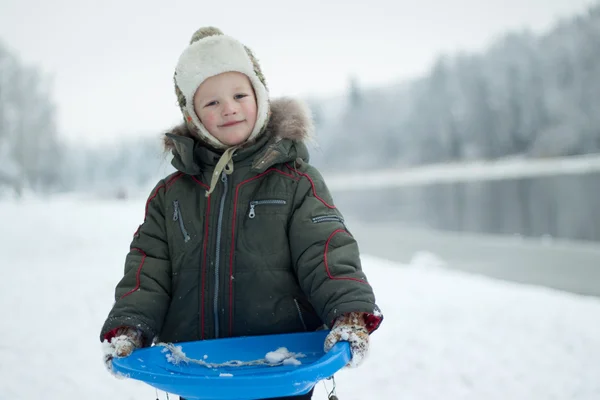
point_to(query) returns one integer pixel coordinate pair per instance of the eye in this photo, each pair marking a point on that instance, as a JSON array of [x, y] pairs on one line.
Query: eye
[[240, 96], [212, 103]]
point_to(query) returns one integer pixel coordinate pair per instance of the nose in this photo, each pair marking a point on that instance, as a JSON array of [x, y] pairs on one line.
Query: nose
[[229, 108]]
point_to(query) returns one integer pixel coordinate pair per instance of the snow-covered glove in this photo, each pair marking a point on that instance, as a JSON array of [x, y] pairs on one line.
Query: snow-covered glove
[[352, 328], [123, 342]]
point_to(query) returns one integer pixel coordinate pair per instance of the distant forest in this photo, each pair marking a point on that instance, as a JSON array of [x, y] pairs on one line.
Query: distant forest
[[527, 95]]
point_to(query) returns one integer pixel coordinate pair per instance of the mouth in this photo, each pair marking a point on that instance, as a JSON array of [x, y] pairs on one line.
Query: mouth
[[232, 123]]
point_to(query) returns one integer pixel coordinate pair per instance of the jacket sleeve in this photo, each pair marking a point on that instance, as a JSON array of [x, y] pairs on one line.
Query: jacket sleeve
[[143, 295], [326, 255]]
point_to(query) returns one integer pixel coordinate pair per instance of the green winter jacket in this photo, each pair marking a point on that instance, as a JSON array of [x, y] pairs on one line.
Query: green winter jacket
[[267, 252]]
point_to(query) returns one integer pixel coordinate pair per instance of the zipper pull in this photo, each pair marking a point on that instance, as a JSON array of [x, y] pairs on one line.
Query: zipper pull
[[175, 210], [252, 214], [223, 177]]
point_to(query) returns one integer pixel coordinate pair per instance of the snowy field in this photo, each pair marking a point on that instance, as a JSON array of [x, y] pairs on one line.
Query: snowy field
[[446, 335]]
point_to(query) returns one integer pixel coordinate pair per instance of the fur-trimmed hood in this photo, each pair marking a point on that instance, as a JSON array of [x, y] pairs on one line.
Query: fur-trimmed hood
[[289, 119]]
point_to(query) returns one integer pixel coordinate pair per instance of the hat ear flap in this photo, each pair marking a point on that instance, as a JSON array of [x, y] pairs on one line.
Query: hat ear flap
[[256, 66], [180, 97]]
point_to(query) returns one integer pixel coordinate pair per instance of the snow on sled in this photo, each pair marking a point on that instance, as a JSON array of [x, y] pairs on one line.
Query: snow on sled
[[242, 368]]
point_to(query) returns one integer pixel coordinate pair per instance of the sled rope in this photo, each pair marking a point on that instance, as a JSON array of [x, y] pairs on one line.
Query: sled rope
[[177, 356]]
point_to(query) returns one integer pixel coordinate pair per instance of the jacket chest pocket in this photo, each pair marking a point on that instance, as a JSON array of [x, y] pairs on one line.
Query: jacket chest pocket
[[262, 203], [183, 233], [264, 226], [178, 218]]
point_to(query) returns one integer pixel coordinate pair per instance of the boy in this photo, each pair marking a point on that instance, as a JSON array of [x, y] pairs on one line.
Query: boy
[[244, 239]]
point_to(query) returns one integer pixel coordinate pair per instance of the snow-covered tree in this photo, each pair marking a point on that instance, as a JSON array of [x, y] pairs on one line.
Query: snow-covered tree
[[526, 95], [29, 143]]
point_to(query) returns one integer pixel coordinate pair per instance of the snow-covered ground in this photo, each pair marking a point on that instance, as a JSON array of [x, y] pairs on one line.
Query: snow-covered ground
[[446, 335]]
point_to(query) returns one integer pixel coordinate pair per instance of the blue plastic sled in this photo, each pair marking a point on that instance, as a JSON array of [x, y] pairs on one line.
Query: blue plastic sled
[[193, 381]]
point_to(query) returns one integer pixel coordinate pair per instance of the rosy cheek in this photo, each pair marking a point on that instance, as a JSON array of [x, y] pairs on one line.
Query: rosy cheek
[[209, 119], [251, 111]]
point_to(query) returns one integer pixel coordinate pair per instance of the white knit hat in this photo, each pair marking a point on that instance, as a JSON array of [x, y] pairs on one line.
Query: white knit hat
[[211, 53]]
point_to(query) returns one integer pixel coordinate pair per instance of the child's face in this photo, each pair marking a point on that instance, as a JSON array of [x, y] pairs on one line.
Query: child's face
[[226, 105]]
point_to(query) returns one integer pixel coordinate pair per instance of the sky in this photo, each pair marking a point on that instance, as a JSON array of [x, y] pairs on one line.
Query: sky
[[111, 61], [446, 335]]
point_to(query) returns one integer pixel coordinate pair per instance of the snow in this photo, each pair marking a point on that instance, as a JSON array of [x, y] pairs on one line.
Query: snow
[[283, 356], [509, 168], [175, 355], [446, 335]]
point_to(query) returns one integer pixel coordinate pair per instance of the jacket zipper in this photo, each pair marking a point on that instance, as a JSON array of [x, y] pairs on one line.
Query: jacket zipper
[[255, 203], [300, 314], [218, 251], [326, 218], [179, 218]]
